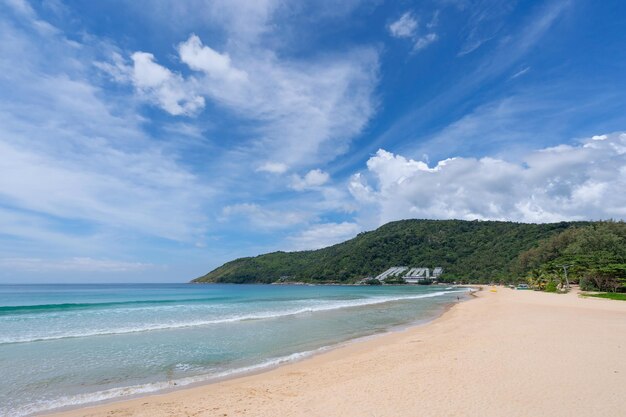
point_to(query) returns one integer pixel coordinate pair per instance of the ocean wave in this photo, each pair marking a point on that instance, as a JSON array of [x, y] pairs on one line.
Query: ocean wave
[[121, 392], [197, 323], [44, 308]]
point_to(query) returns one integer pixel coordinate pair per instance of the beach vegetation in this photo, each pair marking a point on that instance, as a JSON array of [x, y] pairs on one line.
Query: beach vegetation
[[609, 295], [551, 286], [592, 255]]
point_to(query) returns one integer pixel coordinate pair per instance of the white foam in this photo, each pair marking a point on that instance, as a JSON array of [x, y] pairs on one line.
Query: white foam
[[121, 392], [197, 323]]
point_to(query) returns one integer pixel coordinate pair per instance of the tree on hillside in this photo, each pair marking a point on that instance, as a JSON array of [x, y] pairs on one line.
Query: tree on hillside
[[595, 254]]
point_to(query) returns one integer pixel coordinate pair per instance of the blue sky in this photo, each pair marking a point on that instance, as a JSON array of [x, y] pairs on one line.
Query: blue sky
[[154, 140]]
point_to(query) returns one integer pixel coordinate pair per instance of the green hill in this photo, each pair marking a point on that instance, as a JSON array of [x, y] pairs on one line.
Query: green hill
[[471, 251]]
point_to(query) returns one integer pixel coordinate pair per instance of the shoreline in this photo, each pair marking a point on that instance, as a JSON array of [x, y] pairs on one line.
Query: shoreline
[[260, 368], [514, 353]]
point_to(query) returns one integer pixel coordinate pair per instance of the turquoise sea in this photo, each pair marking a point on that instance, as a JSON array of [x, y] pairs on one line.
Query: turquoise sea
[[67, 345]]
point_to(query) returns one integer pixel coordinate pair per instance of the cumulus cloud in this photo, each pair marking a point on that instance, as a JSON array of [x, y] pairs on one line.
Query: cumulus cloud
[[324, 234], [160, 85], [154, 83], [404, 27], [202, 58], [313, 178], [584, 181]]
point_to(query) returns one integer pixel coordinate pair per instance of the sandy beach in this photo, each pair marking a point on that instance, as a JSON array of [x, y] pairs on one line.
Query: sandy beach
[[504, 353]]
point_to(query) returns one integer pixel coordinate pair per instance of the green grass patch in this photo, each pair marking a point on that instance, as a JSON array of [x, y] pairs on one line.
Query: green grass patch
[[609, 295]]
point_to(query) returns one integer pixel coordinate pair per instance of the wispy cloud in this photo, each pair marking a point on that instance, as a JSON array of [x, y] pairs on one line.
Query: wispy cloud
[[324, 234], [273, 167], [410, 125], [265, 218], [305, 112], [520, 72], [71, 154], [486, 19], [423, 41], [72, 265]]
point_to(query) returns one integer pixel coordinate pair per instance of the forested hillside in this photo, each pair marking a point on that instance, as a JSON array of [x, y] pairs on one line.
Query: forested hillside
[[469, 251]]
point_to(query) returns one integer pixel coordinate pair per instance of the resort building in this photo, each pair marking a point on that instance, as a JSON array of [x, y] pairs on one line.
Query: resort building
[[413, 276], [391, 272]]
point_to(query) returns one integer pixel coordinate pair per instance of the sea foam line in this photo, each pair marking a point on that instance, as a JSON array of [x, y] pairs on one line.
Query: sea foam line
[[45, 308], [198, 323], [89, 398]]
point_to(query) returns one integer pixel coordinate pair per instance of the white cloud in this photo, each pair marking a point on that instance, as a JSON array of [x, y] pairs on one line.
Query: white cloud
[[265, 218], [155, 83], [170, 91], [324, 234], [116, 68], [361, 190], [78, 264], [202, 58], [313, 178], [404, 27], [423, 41], [407, 27], [273, 168], [552, 184], [520, 72]]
